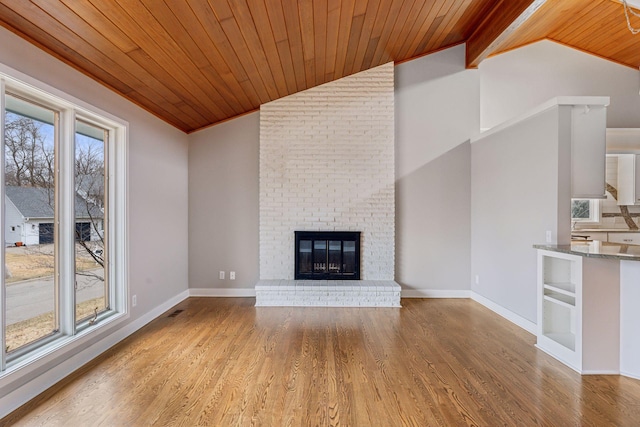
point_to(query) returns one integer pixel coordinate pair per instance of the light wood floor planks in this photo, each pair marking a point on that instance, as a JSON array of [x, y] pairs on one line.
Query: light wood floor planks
[[223, 362]]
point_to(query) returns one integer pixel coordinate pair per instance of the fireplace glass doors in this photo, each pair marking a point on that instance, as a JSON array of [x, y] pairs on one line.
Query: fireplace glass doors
[[327, 255]]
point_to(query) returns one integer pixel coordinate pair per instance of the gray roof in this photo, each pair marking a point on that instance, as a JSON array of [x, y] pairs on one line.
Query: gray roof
[[90, 184], [36, 202]]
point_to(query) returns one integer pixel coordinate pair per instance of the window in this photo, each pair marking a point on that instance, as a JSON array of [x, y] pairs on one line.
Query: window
[[92, 284], [585, 210], [64, 176], [29, 185]]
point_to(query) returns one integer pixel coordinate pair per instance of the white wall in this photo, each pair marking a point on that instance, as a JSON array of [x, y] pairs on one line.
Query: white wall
[[158, 209], [158, 203], [514, 82], [520, 188], [223, 205], [437, 111]]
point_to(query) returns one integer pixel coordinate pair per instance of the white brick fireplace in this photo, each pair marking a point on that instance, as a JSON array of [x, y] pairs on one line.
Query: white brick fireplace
[[327, 164]]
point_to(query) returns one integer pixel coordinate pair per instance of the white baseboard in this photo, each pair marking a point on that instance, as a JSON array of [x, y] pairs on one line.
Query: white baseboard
[[435, 293], [609, 372], [559, 359], [151, 315], [498, 309], [21, 395], [222, 292], [525, 324], [635, 376]]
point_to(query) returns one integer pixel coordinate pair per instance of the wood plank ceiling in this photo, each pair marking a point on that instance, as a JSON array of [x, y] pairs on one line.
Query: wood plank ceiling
[[195, 63], [597, 27]]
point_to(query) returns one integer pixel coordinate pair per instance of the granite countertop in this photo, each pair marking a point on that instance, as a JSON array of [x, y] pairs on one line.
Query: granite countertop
[[597, 249]]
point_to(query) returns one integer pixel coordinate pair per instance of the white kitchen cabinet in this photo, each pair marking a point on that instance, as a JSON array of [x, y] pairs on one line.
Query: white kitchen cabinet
[[599, 235], [625, 238], [578, 311], [628, 179], [588, 151]]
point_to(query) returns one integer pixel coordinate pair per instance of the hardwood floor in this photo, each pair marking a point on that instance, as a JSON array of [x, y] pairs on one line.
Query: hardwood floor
[[223, 362]]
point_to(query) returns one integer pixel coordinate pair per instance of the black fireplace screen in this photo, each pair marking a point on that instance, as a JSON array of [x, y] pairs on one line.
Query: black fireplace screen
[[327, 255]]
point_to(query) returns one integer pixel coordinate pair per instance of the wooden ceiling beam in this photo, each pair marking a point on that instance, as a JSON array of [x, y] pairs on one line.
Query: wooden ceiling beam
[[502, 21]]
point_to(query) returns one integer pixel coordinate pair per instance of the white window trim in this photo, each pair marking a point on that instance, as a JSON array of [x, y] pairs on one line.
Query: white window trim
[[594, 210], [32, 365]]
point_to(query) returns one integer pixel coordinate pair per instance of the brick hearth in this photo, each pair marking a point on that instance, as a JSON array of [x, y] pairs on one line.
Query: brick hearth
[[328, 293]]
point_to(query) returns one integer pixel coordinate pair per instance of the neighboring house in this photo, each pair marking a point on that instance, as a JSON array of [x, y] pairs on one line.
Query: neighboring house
[[29, 217], [90, 188]]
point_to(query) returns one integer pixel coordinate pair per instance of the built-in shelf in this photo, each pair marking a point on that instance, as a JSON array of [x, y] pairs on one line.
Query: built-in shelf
[[566, 339], [566, 288], [576, 303], [563, 300], [558, 326]]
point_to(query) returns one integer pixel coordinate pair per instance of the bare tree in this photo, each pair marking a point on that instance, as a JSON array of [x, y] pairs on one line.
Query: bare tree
[[25, 153], [90, 186], [29, 160]]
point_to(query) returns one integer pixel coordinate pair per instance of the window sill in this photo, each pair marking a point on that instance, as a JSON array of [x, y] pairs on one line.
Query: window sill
[[577, 224], [24, 369]]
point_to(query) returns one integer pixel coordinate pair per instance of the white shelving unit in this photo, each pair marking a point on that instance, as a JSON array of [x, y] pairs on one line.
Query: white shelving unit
[[558, 329], [578, 311]]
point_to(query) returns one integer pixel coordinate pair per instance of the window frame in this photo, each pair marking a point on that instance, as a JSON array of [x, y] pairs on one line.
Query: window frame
[[109, 141], [594, 213], [8, 356], [72, 336]]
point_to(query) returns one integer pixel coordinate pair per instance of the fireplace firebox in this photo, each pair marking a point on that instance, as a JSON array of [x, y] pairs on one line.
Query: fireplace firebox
[[327, 255]]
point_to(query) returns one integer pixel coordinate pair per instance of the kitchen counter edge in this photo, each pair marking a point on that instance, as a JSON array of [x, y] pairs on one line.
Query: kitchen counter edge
[[591, 250]]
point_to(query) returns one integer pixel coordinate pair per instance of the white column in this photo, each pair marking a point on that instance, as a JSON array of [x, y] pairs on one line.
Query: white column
[[630, 318]]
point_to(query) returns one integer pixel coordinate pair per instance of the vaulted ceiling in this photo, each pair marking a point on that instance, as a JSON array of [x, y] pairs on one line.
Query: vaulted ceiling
[[194, 63]]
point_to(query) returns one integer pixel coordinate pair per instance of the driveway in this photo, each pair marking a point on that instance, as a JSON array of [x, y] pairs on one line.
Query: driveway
[[30, 298]]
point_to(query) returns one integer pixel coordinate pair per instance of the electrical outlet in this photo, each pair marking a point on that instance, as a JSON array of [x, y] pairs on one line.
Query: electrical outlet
[[222, 275], [548, 236], [477, 279], [232, 275], [134, 300]]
